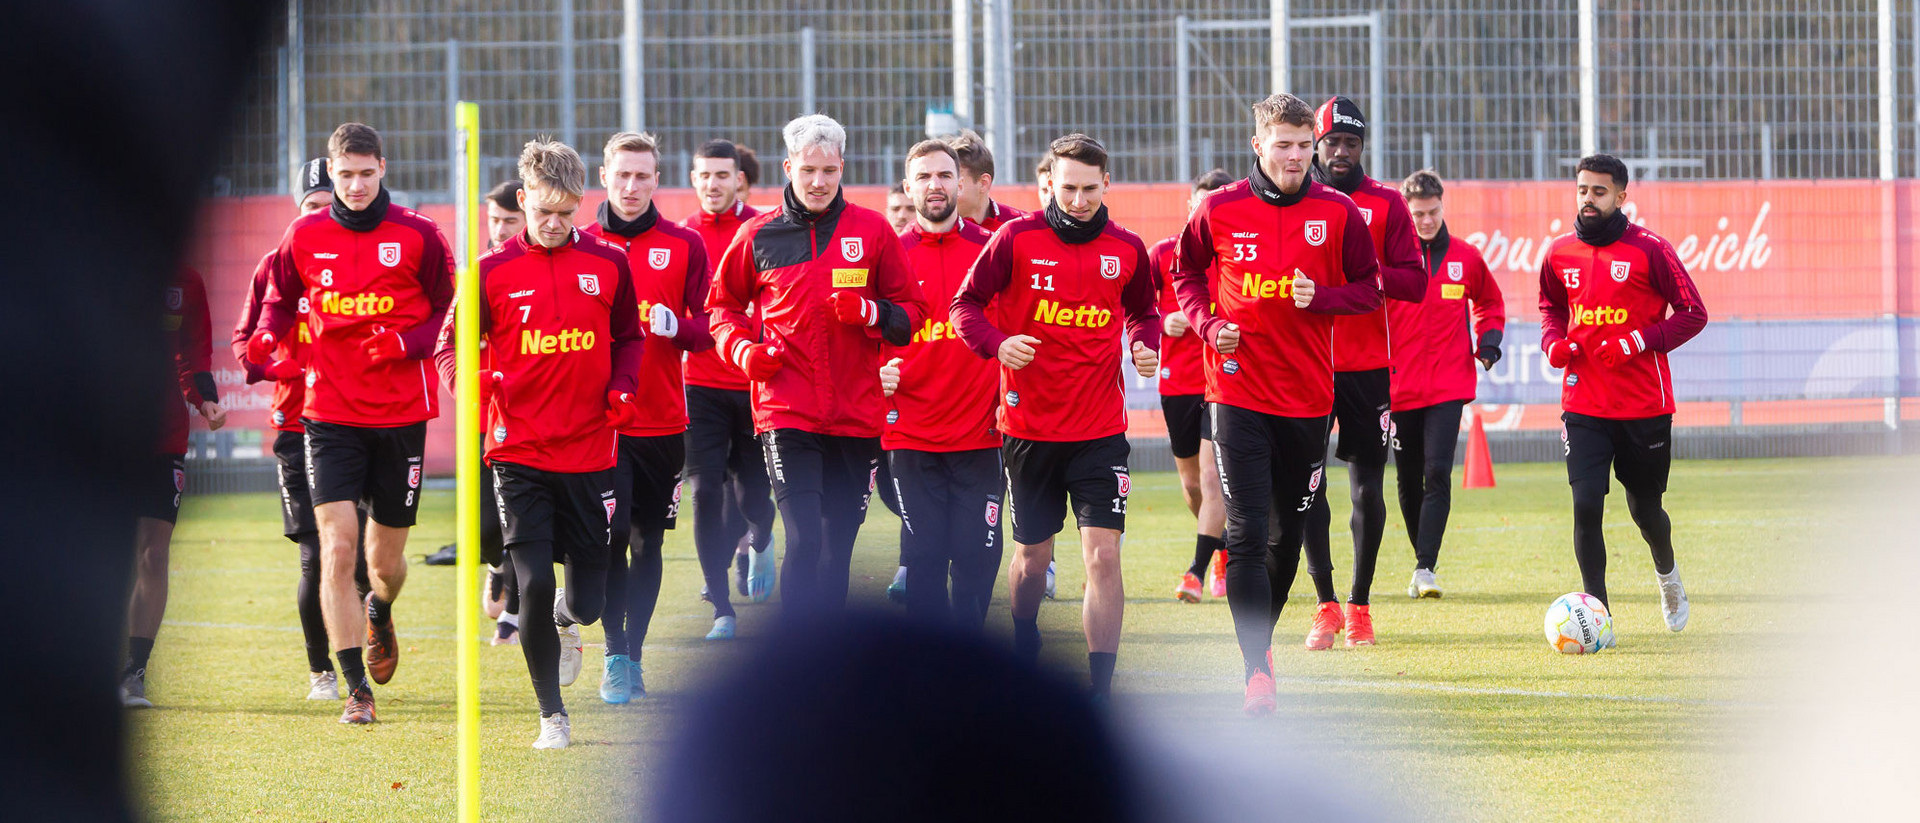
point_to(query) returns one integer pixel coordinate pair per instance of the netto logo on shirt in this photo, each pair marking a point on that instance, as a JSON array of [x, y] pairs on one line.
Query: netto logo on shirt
[[931, 330], [1261, 287], [1084, 317], [1597, 315], [536, 341], [355, 305]]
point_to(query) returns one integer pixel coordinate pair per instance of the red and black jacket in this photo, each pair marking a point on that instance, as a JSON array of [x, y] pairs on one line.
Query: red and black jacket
[[783, 265], [1434, 340]]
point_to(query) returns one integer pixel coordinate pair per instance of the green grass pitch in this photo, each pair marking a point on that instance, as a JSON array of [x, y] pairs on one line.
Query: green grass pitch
[[1461, 703]]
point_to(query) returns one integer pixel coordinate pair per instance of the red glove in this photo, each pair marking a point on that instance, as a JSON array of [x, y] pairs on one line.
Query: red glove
[[854, 310], [260, 347], [1561, 352], [384, 345], [757, 360], [1621, 349], [622, 413], [284, 370]]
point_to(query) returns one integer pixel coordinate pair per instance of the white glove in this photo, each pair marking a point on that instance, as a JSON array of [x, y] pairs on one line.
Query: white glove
[[665, 322]]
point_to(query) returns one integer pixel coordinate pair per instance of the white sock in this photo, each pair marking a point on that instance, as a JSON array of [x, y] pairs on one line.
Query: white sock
[[510, 619]]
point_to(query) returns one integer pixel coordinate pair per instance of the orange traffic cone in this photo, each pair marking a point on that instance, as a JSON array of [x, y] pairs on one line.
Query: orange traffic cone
[[1479, 473]]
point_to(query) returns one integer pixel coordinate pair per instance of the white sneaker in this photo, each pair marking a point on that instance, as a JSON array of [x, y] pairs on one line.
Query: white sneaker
[[722, 628], [1673, 599], [1050, 575], [572, 654], [762, 574], [555, 733], [133, 690], [324, 686], [1423, 584]]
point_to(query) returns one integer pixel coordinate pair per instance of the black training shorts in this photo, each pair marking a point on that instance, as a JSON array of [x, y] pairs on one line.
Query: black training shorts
[[1044, 476], [572, 510], [379, 466]]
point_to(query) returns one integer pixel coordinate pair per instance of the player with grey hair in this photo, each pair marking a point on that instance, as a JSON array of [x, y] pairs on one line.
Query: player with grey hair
[[816, 388]]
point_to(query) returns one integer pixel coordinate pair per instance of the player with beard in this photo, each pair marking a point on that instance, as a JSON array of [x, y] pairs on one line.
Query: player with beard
[[940, 436], [1361, 382], [1614, 300]]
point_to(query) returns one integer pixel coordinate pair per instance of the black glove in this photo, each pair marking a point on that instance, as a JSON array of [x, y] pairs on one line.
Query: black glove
[[1488, 352]]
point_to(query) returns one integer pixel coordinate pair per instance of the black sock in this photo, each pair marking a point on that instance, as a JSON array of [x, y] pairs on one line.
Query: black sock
[[1204, 545], [504, 630], [352, 669], [379, 611], [139, 649], [1026, 639], [1101, 664]]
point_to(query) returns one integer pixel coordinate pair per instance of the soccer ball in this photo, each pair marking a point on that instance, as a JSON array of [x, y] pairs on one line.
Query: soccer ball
[[1578, 623]]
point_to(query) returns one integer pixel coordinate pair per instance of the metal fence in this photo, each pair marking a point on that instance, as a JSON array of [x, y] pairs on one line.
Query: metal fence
[[1482, 89]]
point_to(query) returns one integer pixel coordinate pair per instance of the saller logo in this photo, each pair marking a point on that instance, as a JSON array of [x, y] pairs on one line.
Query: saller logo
[[659, 258], [1621, 271], [389, 254], [590, 284], [1110, 266], [850, 248], [1316, 232]]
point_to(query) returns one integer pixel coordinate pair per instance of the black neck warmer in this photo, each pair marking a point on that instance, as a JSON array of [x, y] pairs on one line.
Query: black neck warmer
[[629, 229], [366, 219], [1074, 231], [1601, 231]]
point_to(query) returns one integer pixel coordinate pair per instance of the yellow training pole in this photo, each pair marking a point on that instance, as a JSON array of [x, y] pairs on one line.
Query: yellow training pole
[[467, 425]]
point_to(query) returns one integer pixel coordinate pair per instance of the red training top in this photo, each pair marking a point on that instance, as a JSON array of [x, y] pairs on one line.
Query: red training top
[[188, 330], [1260, 239], [784, 265], [1068, 292], [946, 398], [1181, 370], [1433, 343], [1360, 341], [999, 215], [288, 395], [562, 331], [1592, 295], [395, 274], [709, 368], [669, 268]]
